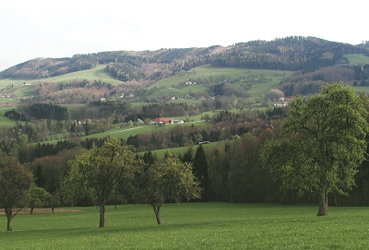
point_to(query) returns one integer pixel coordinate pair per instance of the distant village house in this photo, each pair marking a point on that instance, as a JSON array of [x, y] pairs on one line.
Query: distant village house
[[165, 121], [280, 104]]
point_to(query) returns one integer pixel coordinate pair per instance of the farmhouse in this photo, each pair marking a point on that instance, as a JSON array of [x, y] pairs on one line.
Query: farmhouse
[[165, 121], [280, 104], [176, 121], [161, 121]]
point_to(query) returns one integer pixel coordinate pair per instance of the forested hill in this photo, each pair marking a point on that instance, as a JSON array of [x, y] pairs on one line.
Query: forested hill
[[292, 53]]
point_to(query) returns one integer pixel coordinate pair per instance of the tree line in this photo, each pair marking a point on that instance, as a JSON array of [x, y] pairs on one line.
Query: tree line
[[95, 175]]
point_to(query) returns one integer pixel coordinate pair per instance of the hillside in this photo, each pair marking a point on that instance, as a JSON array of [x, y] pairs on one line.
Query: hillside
[[154, 75], [291, 53]]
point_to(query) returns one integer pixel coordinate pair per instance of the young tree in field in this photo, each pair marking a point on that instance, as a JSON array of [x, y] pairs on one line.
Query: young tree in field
[[321, 144], [36, 196], [100, 170], [15, 181], [169, 181], [52, 201]]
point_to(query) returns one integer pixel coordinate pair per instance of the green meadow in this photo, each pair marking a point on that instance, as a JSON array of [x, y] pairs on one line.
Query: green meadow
[[192, 226], [124, 133], [357, 58], [5, 121], [97, 73], [169, 86], [160, 153]]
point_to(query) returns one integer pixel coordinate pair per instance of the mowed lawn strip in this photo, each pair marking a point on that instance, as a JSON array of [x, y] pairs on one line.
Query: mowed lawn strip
[[192, 226]]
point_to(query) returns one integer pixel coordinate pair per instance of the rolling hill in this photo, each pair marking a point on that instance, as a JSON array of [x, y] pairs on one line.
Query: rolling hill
[[162, 74]]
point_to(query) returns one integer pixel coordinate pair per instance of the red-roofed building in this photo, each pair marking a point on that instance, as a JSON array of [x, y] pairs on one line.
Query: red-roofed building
[[161, 121]]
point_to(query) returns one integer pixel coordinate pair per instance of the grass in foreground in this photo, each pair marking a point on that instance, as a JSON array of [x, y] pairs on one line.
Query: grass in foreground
[[192, 226]]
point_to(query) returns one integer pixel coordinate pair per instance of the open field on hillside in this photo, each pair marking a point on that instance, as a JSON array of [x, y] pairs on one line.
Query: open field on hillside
[[357, 58], [96, 73], [168, 86], [5, 121], [192, 226], [17, 89], [124, 133], [160, 153]]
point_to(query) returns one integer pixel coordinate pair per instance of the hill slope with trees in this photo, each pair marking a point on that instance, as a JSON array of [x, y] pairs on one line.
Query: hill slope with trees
[[292, 53]]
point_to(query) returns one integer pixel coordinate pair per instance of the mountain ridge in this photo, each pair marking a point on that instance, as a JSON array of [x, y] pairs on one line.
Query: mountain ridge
[[290, 53]]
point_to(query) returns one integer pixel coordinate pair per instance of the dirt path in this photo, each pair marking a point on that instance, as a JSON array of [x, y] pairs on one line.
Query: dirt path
[[44, 211]]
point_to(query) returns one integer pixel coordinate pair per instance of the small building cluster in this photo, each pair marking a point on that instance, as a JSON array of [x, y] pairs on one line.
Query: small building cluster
[[283, 101], [190, 83], [165, 121]]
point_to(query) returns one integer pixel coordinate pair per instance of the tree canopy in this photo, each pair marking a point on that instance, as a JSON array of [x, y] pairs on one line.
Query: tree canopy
[[100, 171], [321, 144], [171, 180], [15, 181]]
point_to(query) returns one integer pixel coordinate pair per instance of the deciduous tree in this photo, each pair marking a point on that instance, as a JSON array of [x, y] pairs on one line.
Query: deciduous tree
[[15, 181], [172, 180], [321, 144], [100, 170], [36, 196]]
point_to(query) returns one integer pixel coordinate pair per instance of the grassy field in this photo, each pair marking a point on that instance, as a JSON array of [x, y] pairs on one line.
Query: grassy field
[[5, 121], [168, 85], [124, 133], [19, 90], [96, 73], [192, 226], [160, 153], [357, 58]]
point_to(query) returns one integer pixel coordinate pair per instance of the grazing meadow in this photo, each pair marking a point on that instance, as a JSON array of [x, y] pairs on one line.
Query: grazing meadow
[[357, 58], [192, 226], [169, 86]]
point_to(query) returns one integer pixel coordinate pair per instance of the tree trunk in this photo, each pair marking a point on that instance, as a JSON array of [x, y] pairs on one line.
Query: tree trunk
[[157, 211], [323, 204], [9, 216], [31, 211], [102, 215]]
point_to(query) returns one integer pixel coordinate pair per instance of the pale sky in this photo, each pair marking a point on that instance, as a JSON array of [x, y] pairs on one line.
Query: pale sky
[[40, 28]]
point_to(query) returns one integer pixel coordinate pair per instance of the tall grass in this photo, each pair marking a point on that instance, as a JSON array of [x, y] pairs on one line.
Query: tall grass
[[192, 226]]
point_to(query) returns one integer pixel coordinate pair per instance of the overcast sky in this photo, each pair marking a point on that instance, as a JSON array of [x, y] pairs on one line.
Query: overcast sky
[[39, 28]]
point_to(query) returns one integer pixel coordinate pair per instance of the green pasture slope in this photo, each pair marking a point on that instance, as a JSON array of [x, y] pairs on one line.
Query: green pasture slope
[[19, 90], [96, 73], [124, 133], [5, 121], [160, 153], [192, 226], [357, 58], [169, 86]]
